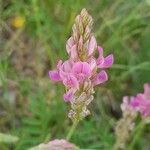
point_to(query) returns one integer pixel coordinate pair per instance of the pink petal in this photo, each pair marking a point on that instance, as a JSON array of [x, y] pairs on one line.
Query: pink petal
[[59, 63], [100, 78], [100, 62], [108, 61], [65, 68], [146, 112], [77, 68], [92, 63], [134, 102], [145, 107], [54, 75], [147, 87], [86, 69], [81, 68], [147, 91], [69, 44], [100, 50], [73, 52], [68, 96], [71, 82], [92, 45], [104, 62], [100, 59], [125, 103], [126, 100]]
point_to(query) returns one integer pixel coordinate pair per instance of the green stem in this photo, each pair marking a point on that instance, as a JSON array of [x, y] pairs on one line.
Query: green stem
[[69, 135], [139, 129]]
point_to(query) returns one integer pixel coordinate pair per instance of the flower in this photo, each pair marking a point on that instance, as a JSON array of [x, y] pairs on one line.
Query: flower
[[124, 127], [139, 103], [82, 71], [101, 77], [130, 108], [106, 62], [18, 22], [55, 145], [54, 75]]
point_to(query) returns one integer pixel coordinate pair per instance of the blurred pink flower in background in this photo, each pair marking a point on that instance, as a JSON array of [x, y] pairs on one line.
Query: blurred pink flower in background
[[55, 145], [131, 106], [139, 103]]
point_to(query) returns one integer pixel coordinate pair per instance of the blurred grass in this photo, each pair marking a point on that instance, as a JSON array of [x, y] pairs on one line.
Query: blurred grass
[[31, 107]]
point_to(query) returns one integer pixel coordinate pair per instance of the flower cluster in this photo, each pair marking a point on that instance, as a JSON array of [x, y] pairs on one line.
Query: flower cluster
[[82, 71], [130, 108], [139, 103]]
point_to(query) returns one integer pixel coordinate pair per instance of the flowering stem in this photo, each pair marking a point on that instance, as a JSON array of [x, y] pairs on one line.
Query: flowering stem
[[69, 135], [139, 129]]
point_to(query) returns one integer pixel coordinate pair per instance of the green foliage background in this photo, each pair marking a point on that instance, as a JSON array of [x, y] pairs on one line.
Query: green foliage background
[[37, 112]]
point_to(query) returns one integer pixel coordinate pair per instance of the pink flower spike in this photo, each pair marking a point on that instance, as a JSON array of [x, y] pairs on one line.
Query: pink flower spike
[[92, 45], [54, 75], [100, 78], [68, 96], [139, 103], [80, 72]]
